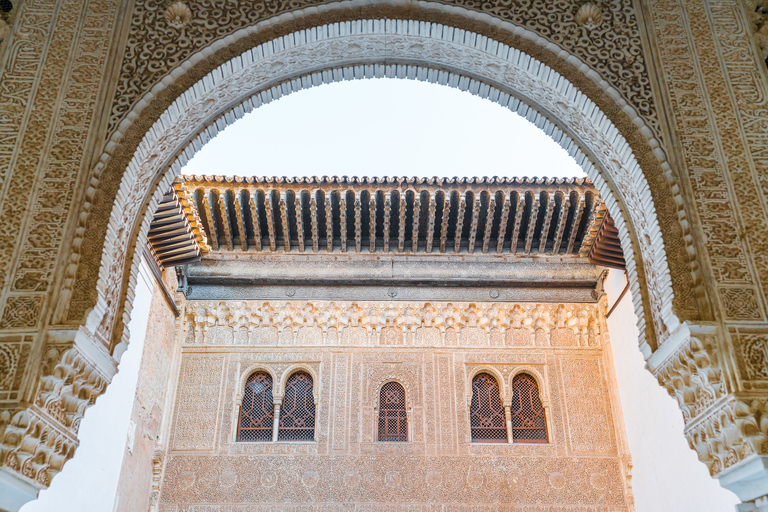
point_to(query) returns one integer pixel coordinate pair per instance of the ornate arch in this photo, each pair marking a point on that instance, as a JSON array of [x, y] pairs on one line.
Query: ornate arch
[[376, 386], [299, 367], [246, 373], [375, 48], [493, 372], [536, 375]]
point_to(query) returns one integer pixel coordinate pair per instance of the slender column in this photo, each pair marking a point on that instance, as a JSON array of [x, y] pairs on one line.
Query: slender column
[[416, 219], [313, 220], [431, 224], [358, 223], [489, 224], [276, 420], [444, 222], [328, 223], [284, 221], [387, 209], [270, 214], [508, 417], [343, 220]]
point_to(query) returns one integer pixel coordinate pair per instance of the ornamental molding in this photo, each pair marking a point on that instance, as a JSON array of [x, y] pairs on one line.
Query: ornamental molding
[[247, 80], [427, 324]]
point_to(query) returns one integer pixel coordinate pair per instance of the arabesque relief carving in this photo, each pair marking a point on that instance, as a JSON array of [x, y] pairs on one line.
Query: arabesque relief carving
[[703, 59], [397, 323], [345, 347]]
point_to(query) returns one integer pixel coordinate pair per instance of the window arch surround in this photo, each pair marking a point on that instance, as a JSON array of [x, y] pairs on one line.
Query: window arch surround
[[393, 414], [298, 412], [504, 389], [300, 367], [487, 414], [256, 408], [529, 412], [150, 169]]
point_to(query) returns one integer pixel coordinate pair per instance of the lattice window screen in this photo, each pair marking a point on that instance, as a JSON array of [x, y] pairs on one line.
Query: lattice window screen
[[528, 422], [486, 412], [257, 410], [297, 414], [393, 420]]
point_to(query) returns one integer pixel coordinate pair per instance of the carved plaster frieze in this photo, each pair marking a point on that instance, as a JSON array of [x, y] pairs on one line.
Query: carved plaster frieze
[[407, 324], [592, 37], [731, 433], [693, 376], [35, 445]]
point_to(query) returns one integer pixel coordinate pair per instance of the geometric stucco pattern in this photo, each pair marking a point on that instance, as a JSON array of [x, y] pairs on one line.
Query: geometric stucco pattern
[[351, 350], [55, 105], [617, 35], [720, 107], [50, 71]]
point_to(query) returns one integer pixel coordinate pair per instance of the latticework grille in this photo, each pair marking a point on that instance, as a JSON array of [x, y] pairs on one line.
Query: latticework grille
[[257, 410], [528, 422], [393, 420], [486, 412], [297, 414]]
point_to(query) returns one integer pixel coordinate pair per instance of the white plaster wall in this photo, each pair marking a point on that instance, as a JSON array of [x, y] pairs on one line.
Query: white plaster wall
[[667, 476], [88, 482]]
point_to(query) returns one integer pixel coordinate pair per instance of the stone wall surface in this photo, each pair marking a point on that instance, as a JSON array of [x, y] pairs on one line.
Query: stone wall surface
[[149, 408], [584, 462], [682, 80]]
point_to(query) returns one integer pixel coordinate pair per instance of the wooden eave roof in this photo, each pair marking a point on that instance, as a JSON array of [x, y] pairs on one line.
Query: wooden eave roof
[[520, 217]]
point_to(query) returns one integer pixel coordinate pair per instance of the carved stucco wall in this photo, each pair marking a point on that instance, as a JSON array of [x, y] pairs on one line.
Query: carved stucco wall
[[63, 63], [159, 366], [433, 350]]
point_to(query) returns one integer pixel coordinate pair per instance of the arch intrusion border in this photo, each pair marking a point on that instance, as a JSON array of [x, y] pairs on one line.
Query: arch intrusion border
[[399, 49]]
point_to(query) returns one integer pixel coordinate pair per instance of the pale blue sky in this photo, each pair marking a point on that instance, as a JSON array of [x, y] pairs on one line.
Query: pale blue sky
[[383, 127]]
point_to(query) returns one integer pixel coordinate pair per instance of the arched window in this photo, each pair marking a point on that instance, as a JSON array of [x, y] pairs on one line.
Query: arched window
[[297, 414], [393, 420], [528, 422], [486, 412], [257, 410]]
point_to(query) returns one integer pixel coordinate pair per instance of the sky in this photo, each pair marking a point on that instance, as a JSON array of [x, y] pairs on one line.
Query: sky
[[383, 127]]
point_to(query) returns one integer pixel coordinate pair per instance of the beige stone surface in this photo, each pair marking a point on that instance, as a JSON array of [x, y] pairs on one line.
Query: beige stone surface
[[156, 370], [667, 97], [351, 350]]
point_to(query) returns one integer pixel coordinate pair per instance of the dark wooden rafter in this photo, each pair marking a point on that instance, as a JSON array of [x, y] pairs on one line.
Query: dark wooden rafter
[[517, 217], [176, 235], [606, 249]]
